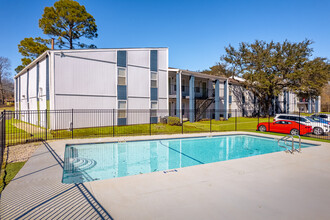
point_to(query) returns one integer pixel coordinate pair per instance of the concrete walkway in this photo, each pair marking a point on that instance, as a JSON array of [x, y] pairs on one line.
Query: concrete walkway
[[271, 186]]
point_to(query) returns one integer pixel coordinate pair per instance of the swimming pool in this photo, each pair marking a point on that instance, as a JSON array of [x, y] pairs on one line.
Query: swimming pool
[[89, 162]]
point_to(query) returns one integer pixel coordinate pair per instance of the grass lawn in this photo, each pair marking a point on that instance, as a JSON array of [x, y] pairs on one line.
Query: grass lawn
[[7, 108], [11, 169], [16, 135]]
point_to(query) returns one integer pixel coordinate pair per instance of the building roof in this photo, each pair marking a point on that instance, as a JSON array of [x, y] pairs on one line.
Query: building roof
[[203, 75]]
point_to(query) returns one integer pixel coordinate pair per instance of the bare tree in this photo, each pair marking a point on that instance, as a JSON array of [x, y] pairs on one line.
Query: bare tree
[[4, 75]]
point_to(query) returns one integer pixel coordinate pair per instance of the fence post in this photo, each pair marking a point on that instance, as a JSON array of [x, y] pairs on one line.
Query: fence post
[[210, 121], [181, 124], [299, 121], [235, 119], [4, 128], [72, 123], [268, 122], [46, 125], [4, 132], [113, 122], [258, 115], [3, 147], [149, 121]]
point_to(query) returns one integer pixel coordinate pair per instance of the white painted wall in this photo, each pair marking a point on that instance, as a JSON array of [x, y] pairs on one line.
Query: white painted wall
[[138, 82], [87, 79]]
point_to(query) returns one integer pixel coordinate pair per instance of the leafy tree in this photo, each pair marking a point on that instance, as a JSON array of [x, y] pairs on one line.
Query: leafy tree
[[220, 69], [310, 83], [31, 48], [4, 75], [269, 68], [68, 21]]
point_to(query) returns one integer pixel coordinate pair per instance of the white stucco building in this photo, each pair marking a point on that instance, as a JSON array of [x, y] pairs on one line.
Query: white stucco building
[[123, 79]]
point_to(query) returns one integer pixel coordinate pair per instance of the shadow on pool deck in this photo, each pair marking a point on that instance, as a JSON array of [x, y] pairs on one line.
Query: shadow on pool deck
[[34, 195]]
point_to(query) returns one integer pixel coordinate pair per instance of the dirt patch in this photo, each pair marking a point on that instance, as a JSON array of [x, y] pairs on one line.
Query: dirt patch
[[20, 153]]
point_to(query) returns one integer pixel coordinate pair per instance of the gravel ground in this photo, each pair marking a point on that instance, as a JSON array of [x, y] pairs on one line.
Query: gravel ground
[[20, 153]]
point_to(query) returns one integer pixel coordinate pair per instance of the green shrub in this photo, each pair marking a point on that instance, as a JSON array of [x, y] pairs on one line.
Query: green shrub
[[173, 121]]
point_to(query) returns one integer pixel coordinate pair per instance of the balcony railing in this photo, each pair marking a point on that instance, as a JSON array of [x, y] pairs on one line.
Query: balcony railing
[[199, 91]]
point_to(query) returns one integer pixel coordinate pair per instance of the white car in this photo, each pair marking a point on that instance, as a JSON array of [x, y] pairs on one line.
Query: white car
[[323, 116], [318, 128]]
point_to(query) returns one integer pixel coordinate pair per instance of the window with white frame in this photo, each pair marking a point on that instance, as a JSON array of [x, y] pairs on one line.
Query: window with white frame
[[154, 79], [154, 107], [122, 106], [121, 76]]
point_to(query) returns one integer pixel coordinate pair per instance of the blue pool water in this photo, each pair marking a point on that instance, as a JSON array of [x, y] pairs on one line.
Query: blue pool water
[[89, 162]]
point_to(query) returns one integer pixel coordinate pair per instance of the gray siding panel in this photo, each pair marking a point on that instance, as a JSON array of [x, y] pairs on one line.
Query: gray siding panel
[[153, 120], [154, 94], [121, 58], [153, 60], [121, 121], [121, 92]]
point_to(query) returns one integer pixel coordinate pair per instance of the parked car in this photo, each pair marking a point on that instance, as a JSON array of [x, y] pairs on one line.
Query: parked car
[[318, 128], [323, 116], [284, 126], [318, 119]]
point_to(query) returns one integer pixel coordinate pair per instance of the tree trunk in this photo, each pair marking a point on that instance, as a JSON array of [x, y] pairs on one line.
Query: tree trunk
[[2, 94], [71, 40]]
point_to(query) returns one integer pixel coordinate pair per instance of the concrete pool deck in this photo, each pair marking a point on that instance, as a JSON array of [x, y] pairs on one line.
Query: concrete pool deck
[[270, 186]]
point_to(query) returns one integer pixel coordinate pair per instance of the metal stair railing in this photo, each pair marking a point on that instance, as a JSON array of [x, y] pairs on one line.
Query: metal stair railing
[[286, 145], [299, 142], [204, 106]]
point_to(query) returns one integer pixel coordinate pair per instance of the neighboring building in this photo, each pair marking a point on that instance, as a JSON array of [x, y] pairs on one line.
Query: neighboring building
[[127, 80], [123, 79], [202, 96]]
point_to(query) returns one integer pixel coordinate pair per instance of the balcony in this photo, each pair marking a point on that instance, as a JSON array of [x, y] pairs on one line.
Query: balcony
[[200, 93]]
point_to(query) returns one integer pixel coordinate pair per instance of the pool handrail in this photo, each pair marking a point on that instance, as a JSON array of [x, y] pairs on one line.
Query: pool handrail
[[285, 138]]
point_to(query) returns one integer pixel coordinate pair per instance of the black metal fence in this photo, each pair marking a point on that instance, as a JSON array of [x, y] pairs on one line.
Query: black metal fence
[[19, 127]]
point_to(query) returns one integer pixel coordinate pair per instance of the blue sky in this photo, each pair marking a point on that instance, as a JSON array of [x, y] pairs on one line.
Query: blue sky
[[196, 32]]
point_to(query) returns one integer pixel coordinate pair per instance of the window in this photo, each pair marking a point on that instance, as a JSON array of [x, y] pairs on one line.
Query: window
[[294, 118], [121, 109], [182, 85], [198, 88], [154, 107], [154, 78], [122, 76]]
